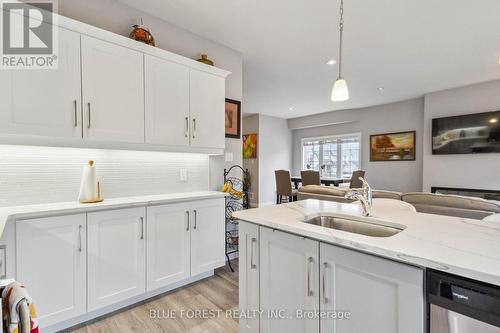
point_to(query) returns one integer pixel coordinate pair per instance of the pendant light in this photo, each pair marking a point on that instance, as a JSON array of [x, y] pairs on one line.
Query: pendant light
[[340, 92]]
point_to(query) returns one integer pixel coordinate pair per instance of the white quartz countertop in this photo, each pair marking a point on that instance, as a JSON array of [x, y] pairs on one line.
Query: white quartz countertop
[[73, 207], [464, 247]]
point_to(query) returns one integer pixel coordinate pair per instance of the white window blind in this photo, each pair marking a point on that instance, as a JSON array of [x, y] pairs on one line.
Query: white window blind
[[335, 156]]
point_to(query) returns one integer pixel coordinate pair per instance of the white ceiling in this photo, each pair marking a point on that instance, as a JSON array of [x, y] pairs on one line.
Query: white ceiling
[[408, 47]]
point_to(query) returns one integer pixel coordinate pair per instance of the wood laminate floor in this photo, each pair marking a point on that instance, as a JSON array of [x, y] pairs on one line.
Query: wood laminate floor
[[214, 295]]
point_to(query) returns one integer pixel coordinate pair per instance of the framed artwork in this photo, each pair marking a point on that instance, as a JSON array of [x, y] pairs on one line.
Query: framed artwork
[[250, 145], [233, 118], [398, 146]]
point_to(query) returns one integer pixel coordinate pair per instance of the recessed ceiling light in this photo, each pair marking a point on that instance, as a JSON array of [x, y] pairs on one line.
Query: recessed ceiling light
[[290, 108], [380, 88], [331, 62], [493, 120]]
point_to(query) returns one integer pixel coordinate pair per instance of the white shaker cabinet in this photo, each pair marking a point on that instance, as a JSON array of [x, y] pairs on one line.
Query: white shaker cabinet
[[207, 101], [288, 282], [167, 102], [168, 245], [51, 261], [381, 295], [113, 92], [44, 102], [116, 256], [207, 235], [249, 267]]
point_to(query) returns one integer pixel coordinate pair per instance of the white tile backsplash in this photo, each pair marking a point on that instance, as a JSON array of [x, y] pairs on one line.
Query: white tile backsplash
[[31, 175]]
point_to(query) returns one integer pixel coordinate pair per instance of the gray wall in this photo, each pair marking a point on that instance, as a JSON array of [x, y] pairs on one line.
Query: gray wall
[[117, 17], [479, 171], [251, 125], [275, 153], [404, 176]]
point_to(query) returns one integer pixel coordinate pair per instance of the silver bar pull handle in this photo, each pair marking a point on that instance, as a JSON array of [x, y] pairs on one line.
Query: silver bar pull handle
[[252, 263], [142, 227], [310, 261], [324, 282], [89, 123], [194, 128], [187, 219], [75, 109], [195, 222], [186, 134], [80, 227]]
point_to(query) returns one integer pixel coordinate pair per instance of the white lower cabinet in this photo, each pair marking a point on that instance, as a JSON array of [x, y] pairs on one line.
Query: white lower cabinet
[[381, 295], [51, 256], [289, 282], [184, 240], [169, 245], [284, 275], [116, 256], [249, 267], [207, 235]]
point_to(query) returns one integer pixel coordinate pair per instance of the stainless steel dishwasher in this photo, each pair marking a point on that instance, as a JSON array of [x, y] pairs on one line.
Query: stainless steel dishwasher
[[460, 305]]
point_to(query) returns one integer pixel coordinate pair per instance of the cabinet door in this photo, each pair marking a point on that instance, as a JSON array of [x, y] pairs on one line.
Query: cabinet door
[[381, 295], [288, 282], [116, 258], [207, 235], [44, 102], [168, 246], [249, 276], [51, 262], [167, 102], [113, 94], [207, 96]]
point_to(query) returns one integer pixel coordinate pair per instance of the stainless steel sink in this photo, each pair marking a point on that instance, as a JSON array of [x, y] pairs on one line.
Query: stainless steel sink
[[366, 228]]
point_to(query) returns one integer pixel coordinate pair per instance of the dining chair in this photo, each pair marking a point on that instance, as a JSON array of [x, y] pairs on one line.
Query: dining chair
[[355, 182], [284, 186], [310, 177]]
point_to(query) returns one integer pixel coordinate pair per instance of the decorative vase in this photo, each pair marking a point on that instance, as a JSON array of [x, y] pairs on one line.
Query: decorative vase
[[204, 59], [142, 34]]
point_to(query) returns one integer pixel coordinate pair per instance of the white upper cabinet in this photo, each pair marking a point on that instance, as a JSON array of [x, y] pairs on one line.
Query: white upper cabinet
[[44, 102], [116, 256], [167, 102], [381, 295], [207, 93], [51, 261], [113, 92], [168, 245]]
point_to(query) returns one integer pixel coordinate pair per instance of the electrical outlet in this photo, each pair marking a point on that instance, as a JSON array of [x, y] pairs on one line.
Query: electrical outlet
[[250, 195], [184, 175]]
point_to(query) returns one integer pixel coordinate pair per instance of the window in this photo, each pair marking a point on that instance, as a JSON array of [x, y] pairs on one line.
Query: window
[[335, 156]]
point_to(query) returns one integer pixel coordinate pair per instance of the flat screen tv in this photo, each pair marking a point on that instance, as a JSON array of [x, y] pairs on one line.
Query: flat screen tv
[[467, 134]]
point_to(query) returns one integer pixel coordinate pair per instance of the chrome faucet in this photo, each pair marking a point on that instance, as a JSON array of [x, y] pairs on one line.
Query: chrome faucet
[[365, 197]]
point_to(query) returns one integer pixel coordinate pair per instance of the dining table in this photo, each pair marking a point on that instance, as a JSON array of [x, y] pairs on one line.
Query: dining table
[[325, 181]]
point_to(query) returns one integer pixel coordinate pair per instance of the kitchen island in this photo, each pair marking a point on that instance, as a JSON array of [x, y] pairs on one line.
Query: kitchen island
[[287, 264]]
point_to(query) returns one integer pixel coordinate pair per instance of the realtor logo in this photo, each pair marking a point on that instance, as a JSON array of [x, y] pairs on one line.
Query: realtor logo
[[28, 35]]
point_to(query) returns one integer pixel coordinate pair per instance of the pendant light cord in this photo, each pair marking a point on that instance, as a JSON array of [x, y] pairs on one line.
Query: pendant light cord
[[341, 30]]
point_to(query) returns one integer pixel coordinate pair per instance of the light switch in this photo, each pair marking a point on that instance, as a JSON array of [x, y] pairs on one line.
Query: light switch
[[229, 157], [184, 175]]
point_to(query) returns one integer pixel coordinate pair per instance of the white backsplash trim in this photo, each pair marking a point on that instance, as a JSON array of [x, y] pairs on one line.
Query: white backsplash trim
[[32, 175]]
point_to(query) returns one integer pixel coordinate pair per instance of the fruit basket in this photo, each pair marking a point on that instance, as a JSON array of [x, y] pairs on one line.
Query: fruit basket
[[236, 185]]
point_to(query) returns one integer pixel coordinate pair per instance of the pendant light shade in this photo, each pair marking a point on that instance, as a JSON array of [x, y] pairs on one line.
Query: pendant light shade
[[340, 92]]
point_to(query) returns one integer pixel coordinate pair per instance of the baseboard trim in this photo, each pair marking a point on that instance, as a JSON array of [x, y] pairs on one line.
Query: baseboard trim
[[113, 309]]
